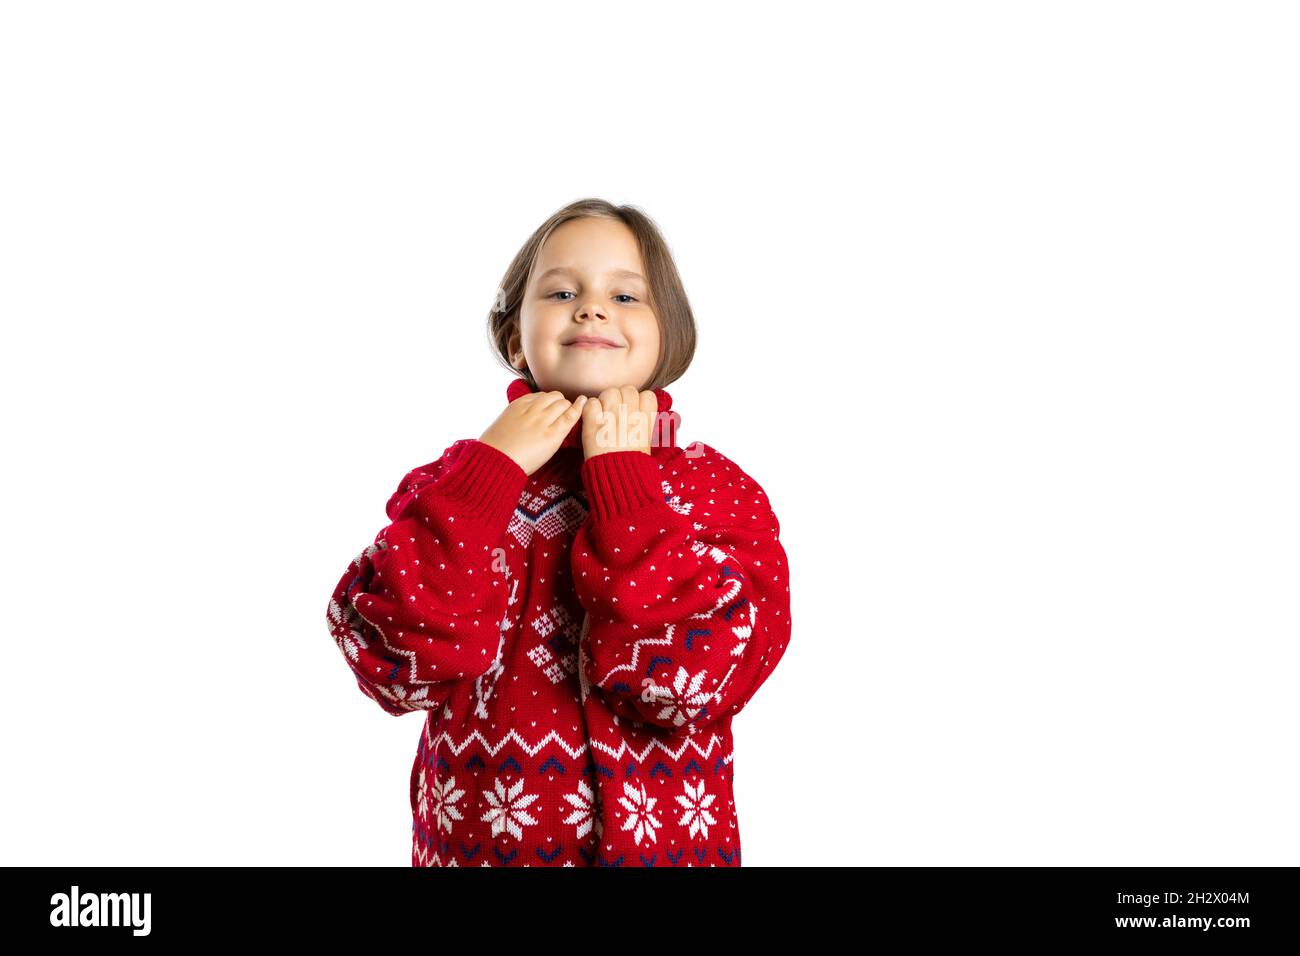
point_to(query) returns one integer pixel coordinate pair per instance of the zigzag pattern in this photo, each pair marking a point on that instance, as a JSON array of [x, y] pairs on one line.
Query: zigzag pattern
[[576, 750]]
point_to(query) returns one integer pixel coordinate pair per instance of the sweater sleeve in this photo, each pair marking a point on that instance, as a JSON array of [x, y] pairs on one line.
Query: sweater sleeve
[[684, 580], [420, 608]]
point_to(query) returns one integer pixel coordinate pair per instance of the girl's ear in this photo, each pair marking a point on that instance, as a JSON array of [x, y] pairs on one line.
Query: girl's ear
[[516, 349]]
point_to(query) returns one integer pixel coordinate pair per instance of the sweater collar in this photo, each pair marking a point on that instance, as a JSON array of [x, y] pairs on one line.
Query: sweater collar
[[667, 428]]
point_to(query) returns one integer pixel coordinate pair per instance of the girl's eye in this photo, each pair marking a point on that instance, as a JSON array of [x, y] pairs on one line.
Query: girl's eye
[[621, 295]]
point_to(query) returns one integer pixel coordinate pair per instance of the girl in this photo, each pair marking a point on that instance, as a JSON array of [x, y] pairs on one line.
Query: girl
[[578, 605]]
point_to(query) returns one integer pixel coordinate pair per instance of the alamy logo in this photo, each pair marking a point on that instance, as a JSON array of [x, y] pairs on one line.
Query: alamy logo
[[101, 909]]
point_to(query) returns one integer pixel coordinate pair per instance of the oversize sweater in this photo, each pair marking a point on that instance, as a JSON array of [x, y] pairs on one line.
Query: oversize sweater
[[579, 641]]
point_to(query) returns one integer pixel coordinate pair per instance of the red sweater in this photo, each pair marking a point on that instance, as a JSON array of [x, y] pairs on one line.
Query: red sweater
[[579, 640]]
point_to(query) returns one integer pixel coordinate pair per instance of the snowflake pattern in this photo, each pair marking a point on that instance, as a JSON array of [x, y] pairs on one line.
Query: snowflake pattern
[[584, 812], [682, 701], [696, 809], [640, 817], [507, 811], [444, 795]]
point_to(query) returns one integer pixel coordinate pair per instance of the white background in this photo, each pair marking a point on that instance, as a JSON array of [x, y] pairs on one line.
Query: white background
[[998, 302]]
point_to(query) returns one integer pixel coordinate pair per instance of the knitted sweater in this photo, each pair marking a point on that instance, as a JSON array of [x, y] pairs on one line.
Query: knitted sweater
[[579, 640]]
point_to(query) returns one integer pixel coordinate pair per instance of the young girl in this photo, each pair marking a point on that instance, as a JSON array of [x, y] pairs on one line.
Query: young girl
[[578, 605]]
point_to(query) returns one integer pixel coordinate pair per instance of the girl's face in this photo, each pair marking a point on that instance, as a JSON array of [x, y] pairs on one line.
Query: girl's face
[[588, 281]]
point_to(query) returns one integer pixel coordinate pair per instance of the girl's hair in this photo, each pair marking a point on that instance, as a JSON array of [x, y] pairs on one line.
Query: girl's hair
[[667, 296]]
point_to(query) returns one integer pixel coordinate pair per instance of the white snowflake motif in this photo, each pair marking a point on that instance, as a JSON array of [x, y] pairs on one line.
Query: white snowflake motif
[[584, 813], [639, 805], [696, 803], [444, 799], [682, 701], [507, 812], [416, 700]]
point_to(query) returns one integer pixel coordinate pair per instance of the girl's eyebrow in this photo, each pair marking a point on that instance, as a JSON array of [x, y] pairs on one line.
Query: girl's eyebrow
[[613, 273]]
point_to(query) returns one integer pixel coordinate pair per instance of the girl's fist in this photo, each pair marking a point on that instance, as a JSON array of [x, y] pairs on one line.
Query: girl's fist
[[532, 427], [619, 419]]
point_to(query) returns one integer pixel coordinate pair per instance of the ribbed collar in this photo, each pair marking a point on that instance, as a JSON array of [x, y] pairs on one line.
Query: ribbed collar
[[519, 386]]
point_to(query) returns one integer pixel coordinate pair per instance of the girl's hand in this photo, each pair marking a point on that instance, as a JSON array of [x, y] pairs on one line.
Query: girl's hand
[[532, 427], [619, 419]]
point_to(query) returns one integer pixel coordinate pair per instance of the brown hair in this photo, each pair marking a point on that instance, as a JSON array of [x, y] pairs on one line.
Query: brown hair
[[667, 296]]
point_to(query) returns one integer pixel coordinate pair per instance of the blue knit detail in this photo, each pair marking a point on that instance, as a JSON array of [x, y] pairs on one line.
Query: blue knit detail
[[552, 762], [510, 765], [693, 633], [655, 662], [548, 857]]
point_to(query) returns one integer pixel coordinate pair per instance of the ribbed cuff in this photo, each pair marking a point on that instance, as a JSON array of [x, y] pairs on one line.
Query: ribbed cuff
[[484, 483], [619, 482]]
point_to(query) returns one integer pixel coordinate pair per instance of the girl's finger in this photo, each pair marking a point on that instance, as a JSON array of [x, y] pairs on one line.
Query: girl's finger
[[574, 410], [549, 402]]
